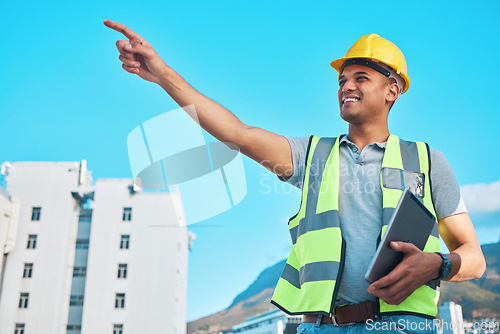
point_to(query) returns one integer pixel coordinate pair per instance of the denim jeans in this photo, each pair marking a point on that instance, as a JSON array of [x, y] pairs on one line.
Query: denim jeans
[[398, 324]]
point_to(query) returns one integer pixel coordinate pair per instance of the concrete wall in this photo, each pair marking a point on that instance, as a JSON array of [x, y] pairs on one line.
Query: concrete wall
[[46, 185], [156, 284], [9, 218]]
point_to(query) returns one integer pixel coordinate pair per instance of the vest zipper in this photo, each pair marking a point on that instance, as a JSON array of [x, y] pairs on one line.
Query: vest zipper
[[339, 275]]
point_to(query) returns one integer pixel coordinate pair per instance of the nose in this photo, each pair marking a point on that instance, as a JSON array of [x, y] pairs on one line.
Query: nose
[[348, 86]]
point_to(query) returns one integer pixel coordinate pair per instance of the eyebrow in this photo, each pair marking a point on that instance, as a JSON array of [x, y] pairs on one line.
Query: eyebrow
[[357, 73]]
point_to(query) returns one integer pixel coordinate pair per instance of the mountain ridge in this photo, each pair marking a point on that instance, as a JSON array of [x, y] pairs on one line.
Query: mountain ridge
[[266, 279]]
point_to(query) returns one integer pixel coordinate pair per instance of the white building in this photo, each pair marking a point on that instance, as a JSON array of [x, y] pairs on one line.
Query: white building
[[451, 318], [9, 216], [92, 259], [271, 322]]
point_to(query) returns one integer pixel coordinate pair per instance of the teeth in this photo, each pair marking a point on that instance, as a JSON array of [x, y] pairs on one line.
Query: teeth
[[351, 99]]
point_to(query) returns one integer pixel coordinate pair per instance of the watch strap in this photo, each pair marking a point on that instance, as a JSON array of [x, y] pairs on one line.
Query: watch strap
[[445, 269]]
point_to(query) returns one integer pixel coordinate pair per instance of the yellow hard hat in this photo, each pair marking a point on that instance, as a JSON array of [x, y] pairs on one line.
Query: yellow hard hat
[[375, 48]]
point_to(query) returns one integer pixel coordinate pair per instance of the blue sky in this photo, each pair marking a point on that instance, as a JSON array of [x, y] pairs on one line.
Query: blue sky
[[64, 97]]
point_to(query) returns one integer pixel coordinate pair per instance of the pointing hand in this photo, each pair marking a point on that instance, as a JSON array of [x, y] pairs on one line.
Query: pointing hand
[[137, 55]]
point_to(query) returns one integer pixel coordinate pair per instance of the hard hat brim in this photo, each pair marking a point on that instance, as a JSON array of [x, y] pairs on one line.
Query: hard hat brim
[[337, 64]]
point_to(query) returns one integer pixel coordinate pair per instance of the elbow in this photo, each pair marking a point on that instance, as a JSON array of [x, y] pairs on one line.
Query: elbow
[[232, 146], [481, 261], [481, 268], [472, 269], [237, 138]]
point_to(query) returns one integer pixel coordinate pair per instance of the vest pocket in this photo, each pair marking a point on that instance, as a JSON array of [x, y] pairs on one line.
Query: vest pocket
[[395, 178]]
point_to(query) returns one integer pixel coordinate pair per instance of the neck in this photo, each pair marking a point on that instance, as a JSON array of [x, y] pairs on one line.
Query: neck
[[366, 134]]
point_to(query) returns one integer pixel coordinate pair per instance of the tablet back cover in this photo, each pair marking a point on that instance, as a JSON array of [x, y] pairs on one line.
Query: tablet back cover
[[411, 222]]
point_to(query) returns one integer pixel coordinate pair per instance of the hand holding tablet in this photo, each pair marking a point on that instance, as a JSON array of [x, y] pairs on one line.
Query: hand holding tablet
[[411, 222]]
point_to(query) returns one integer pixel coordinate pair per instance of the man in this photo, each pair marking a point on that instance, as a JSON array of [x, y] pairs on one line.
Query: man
[[347, 196]]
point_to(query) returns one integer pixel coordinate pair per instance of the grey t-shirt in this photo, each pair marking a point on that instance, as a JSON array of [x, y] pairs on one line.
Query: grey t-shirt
[[360, 205]]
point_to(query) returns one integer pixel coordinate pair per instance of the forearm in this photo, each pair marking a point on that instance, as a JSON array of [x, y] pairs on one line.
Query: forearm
[[214, 118], [467, 262], [467, 259], [419, 267]]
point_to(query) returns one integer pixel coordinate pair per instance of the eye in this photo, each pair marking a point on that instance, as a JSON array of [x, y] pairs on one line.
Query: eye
[[361, 78], [341, 82]]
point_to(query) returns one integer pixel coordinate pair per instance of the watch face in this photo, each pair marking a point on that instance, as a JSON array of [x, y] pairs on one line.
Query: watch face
[[445, 269]]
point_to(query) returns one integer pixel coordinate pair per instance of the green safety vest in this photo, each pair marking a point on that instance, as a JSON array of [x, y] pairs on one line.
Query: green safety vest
[[308, 284]]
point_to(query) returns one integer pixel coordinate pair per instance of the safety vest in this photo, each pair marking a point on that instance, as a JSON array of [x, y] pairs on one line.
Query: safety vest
[[308, 284]]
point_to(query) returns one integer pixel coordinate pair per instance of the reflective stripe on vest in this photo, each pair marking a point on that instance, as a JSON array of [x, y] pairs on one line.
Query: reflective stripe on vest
[[308, 284]]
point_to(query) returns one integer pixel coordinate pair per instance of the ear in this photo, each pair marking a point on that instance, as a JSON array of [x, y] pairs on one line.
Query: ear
[[393, 92]]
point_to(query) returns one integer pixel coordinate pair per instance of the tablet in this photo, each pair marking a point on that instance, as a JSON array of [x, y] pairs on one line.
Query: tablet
[[411, 222]]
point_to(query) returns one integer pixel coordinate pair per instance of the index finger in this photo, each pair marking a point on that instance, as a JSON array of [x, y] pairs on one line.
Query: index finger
[[129, 33]]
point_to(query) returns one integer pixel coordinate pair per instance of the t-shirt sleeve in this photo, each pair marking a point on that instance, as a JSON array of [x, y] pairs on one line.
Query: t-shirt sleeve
[[445, 189], [298, 145]]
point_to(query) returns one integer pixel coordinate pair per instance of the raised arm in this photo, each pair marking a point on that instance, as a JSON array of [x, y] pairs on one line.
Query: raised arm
[[267, 148]]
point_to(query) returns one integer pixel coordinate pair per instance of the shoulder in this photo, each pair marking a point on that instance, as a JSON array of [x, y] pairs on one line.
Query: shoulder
[[438, 159], [298, 141], [444, 187]]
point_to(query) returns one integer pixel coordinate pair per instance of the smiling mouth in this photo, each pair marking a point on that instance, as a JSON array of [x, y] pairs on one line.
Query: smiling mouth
[[350, 99]]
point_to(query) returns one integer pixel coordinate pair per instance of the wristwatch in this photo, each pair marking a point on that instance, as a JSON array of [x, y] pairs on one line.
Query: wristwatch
[[445, 269]]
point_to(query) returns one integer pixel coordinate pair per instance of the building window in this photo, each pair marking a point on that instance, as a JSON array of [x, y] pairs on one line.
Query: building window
[[117, 329], [74, 327], [76, 300], [82, 244], [79, 271], [122, 270], [28, 270], [35, 213], [120, 300], [124, 241], [127, 214], [19, 329], [31, 241], [23, 300]]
